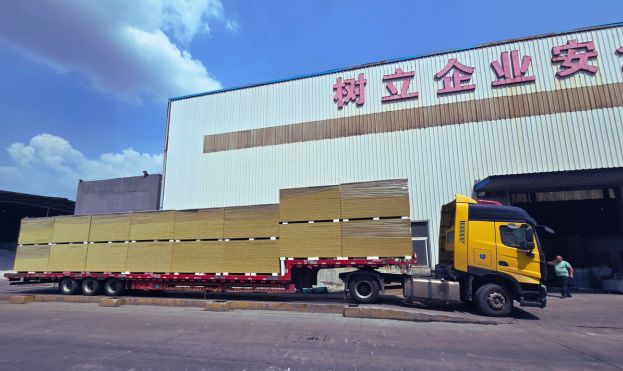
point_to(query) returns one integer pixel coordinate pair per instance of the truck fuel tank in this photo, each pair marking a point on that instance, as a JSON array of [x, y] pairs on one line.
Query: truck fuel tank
[[431, 289]]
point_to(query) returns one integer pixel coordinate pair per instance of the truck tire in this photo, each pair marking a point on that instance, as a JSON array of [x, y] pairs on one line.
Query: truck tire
[[113, 287], [364, 289], [68, 286], [493, 300], [91, 286]]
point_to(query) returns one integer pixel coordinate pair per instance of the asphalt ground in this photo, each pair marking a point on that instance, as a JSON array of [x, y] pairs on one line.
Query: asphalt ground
[[584, 332]]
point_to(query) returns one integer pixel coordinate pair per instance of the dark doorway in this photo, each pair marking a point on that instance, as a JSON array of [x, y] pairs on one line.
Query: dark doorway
[[583, 207]]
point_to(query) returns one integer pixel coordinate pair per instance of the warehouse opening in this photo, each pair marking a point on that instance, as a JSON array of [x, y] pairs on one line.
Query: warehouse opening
[[585, 209]]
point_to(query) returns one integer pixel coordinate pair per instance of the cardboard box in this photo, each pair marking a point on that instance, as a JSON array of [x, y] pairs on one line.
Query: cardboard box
[[303, 240], [36, 230], [385, 198], [67, 258], [251, 221], [110, 227], [258, 256], [153, 225], [203, 224], [149, 257], [197, 257], [311, 203], [32, 258], [107, 257], [382, 238], [71, 229]]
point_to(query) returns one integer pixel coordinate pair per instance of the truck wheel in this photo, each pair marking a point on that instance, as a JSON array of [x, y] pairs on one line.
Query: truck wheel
[[493, 300], [113, 287], [364, 289], [68, 286], [90, 286]]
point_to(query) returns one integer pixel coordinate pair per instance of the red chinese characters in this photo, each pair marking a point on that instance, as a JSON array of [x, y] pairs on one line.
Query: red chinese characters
[[350, 90], [511, 68], [575, 57], [510, 71], [457, 82], [404, 93]]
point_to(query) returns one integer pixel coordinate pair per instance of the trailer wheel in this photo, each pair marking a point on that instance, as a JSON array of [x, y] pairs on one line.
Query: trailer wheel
[[90, 286], [68, 286], [113, 287], [493, 300], [364, 289]]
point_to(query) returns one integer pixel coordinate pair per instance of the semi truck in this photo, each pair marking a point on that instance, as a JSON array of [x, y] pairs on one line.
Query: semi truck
[[490, 256]]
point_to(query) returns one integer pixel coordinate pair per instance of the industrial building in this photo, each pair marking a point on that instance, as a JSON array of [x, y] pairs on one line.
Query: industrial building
[[119, 195], [16, 206], [535, 122]]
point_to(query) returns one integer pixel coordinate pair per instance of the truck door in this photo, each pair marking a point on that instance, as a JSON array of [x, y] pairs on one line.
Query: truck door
[[512, 256], [482, 245]]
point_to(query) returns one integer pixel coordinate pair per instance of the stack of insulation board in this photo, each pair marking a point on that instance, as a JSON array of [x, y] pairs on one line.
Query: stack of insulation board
[[348, 220], [233, 240]]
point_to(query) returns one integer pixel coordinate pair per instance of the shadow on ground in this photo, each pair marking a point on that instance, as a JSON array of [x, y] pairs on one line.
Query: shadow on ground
[[392, 299]]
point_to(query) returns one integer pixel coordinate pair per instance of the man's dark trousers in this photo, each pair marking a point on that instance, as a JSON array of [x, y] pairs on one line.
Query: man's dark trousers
[[565, 287]]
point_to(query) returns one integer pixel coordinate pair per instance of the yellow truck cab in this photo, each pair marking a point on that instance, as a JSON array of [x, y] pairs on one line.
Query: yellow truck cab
[[489, 256]]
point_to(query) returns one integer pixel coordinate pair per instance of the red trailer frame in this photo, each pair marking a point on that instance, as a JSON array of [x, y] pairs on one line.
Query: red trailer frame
[[222, 283]]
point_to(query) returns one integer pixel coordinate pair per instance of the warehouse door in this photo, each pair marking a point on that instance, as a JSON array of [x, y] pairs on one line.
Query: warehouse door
[[584, 208]]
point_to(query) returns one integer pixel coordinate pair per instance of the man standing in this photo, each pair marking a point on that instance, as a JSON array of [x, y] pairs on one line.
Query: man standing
[[564, 271]]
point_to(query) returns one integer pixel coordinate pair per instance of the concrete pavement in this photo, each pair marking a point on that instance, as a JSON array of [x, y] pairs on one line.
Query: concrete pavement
[[584, 332], [84, 336]]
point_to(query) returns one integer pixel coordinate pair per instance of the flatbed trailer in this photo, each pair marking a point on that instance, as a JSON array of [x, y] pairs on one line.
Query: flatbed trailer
[[364, 283]]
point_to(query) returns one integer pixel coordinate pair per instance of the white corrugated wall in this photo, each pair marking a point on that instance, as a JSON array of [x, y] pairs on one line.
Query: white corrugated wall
[[438, 162]]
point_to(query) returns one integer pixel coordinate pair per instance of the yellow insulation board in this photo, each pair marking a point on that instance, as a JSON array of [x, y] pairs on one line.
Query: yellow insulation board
[[197, 257], [106, 257], [201, 224], [71, 228], [385, 198], [157, 225], [67, 258], [251, 221], [111, 227], [32, 258], [36, 230], [258, 256], [312, 203], [152, 257], [382, 238], [303, 240]]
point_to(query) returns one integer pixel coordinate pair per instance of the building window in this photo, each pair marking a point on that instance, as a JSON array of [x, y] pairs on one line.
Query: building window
[[419, 242]]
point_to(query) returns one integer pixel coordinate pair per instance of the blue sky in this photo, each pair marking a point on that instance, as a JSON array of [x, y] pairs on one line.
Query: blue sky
[[85, 83]]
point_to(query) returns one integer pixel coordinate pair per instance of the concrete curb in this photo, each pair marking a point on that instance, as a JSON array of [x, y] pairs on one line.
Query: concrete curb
[[349, 311], [222, 306], [21, 299], [111, 302]]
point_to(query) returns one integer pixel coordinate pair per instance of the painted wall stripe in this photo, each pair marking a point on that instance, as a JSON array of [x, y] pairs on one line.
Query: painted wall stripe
[[524, 105]]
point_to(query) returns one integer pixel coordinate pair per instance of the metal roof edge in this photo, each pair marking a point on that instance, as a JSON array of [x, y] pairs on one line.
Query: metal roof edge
[[417, 56]]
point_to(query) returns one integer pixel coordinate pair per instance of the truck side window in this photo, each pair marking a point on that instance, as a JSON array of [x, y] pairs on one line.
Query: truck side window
[[515, 236], [450, 236]]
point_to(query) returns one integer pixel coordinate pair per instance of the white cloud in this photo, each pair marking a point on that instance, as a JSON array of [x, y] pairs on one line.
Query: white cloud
[[134, 49], [231, 25], [49, 165]]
